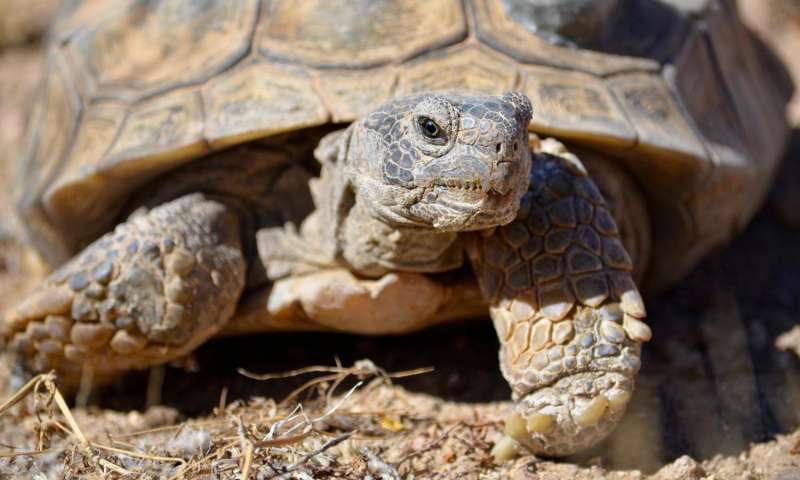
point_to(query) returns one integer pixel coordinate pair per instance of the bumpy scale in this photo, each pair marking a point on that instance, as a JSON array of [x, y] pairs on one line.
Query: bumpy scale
[[152, 290], [565, 307]]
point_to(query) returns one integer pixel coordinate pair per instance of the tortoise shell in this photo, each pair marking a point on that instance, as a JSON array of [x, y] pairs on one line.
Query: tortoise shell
[[679, 92]]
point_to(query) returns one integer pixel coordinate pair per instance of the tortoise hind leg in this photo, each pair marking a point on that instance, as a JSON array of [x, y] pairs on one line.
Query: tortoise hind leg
[[150, 291]]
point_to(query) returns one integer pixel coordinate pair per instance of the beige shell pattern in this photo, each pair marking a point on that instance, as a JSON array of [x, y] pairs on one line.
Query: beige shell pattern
[[134, 89]]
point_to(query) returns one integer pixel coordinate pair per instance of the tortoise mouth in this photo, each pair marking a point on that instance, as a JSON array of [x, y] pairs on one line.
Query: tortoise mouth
[[476, 202], [459, 184], [473, 209]]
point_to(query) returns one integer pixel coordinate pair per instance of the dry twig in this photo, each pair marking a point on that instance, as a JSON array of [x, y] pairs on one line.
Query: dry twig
[[243, 438]]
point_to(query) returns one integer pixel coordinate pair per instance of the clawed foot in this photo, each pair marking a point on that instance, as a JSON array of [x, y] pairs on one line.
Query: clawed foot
[[143, 294], [566, 310]]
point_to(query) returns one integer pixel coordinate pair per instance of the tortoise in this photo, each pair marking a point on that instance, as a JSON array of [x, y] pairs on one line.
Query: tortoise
[[204, 168]]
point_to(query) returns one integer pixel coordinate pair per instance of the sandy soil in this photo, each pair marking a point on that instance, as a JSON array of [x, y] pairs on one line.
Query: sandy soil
[[715, 398]]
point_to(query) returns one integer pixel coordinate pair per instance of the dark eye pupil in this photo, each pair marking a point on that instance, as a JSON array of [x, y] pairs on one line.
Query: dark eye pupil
[[429, 127]]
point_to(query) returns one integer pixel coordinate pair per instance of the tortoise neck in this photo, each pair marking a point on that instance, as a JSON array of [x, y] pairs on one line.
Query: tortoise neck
[[371, 247]]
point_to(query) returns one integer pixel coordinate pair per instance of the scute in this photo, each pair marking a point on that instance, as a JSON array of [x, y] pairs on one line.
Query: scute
[[494, 27], [727, 102], [754, 101], [575, 105], [351, 94], [696, 77], [653, 113], [164, 44], [53, 119], [258, 100], [651, 29], [164, 128], [77, 15], [156, 136], [96, 132], [468, 67], [349, 33]]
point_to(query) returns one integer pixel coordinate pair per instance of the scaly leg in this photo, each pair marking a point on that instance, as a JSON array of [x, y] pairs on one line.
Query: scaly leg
[[565, 307], [148, 292]]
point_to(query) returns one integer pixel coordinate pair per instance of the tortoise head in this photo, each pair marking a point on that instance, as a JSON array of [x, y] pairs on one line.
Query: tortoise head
[[447, 161]]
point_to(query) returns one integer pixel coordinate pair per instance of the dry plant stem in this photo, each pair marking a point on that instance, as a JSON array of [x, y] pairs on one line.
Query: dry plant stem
[[213, 421], [25, 390], [155, 383], [47, 381], [73, 425], [280, 442], [246, 445], [286, 444], [360, 368], [187, 467], [85, 385], [339, 404], [248, 460], [290, 373], [27, 453], [309, 456], [137, 454], [223, 398], [113, 467]]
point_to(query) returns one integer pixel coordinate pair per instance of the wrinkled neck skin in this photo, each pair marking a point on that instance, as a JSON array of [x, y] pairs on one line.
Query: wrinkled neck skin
[[372, 247]]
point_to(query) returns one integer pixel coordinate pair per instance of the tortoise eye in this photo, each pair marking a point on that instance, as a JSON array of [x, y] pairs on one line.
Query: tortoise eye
[[430, 128]]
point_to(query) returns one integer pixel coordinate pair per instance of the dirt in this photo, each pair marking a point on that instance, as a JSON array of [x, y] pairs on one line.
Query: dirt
[[368, 429], [715, 399]]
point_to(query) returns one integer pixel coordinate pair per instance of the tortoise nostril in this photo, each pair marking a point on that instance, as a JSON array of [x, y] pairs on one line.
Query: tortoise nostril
[[516, 146], [498, 147]]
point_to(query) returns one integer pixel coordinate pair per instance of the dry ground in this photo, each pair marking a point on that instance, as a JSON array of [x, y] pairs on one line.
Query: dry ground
[[715, 400]]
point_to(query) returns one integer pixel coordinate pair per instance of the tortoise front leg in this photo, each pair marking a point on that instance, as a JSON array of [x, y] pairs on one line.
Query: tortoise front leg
[[148, 292], [566, 310]]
